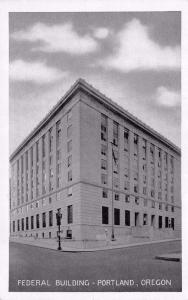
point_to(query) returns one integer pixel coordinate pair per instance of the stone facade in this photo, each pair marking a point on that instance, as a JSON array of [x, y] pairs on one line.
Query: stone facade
[[84, 152]]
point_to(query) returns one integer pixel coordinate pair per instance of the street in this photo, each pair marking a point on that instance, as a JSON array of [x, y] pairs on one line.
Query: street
[[118, 270]]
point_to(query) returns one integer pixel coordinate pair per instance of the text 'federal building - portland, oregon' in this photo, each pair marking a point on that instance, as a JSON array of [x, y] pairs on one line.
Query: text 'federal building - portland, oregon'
[[105, 169]]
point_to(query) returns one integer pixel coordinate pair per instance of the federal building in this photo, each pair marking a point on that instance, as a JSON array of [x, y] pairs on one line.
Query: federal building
[[106, 170]]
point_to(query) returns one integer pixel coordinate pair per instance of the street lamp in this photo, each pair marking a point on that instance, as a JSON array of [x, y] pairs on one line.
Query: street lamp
[[58, 218]]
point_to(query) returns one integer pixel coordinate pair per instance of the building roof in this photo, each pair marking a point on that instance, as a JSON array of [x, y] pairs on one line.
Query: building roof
[[81, 84]]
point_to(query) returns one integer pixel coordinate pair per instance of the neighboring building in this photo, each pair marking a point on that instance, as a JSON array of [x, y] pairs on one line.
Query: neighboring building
[[69, 162]]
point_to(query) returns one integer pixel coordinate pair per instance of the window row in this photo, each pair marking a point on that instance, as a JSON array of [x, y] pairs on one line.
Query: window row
[[139, 219]]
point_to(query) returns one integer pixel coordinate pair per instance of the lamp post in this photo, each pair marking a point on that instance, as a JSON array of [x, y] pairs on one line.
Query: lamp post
[[58, 218]]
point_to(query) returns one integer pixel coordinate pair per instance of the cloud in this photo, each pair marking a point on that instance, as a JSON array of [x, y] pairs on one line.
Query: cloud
[[57, 38], [101, 33], [137, 51], [37, 72], [168, 98]]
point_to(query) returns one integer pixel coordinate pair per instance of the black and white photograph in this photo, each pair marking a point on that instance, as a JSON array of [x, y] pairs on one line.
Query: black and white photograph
[[95, 151]]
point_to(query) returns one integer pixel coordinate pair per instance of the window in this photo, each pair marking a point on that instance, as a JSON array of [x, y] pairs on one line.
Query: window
[[166, 207], [51, 218], [127, 198], [50, 200], [50, 140], [32, 223], [116, 216], [69, 214], [127, 217], [43, 219], [13, 225], [43, 146], [135, 188], [22, 224], [31, 156], [137, 200], [135, 139], [116, 196], [69, 191], [69, 131], [37, 221], [126, 139], [26, 160], [144, 190], [135, 175], [144, 149], [104, 215], [152, 193], [145, 219], [172, 208], [116, 182], [103, 178], [58, 133], [70, 175], [172, 223], [160, 206], [126, 172], [105, 193], [126, 185], [69, 161], [37, 151], [166, 222], [104, 121], [58, 154], [160, 222], [103, 164], [103, 149], [69, 146], [153, 204], [27, 223], [18, 225]]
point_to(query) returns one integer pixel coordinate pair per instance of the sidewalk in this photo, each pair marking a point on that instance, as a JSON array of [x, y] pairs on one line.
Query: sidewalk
[[85, 246]]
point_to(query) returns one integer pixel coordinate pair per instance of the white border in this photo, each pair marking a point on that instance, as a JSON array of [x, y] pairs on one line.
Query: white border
[[7, 6]]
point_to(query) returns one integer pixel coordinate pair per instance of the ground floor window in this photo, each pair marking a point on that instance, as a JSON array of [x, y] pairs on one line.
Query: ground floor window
[[13, 226], [160, 222], [172, 223], [18, 225], [22, 224], [69, 214], [127, 217], [104, 215], [27, 223], [37, 221], [69, 234], [32, 223], [145, 219], [51, 218], [116, 216], [166, 222], [43, 219]]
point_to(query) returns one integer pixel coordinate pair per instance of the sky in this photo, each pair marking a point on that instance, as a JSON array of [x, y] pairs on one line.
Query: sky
[[133, 58]]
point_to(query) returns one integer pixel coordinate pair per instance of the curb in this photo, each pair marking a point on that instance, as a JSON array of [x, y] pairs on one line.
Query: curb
[[101, 249]]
